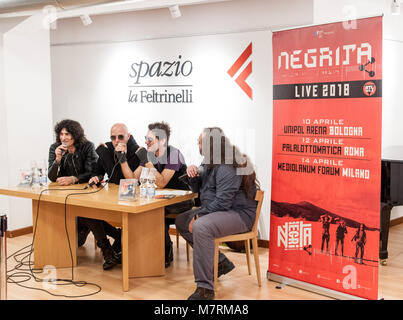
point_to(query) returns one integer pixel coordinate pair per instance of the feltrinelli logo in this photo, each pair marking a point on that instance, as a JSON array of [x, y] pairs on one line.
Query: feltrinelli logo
[[238, 64]]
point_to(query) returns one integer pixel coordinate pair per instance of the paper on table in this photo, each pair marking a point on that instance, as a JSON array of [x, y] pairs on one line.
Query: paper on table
[[171, 192]]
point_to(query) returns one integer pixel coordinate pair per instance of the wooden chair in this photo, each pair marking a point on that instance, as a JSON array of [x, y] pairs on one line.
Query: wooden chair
[[173, 216], [247, 236]]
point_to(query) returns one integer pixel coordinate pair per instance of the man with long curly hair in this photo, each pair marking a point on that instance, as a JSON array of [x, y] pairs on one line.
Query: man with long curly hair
[[72, 159]]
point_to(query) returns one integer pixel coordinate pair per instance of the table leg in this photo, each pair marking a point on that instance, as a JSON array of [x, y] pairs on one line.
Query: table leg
[[50, 244], [143, 245]]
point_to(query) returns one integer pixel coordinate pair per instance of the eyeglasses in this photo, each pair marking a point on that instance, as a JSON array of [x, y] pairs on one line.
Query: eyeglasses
[[120, 137], [149, 139]]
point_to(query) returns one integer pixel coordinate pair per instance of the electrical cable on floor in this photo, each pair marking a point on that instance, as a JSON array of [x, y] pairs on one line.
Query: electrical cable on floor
[[29, 274]]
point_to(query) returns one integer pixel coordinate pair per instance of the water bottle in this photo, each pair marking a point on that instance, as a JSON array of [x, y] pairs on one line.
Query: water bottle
[[35, 175], [43, 172], [144, 183], [44, 178], [36, 182], [151, 185]]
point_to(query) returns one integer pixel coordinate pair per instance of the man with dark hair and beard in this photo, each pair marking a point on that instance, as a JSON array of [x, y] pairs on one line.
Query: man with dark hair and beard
[[226, 183]]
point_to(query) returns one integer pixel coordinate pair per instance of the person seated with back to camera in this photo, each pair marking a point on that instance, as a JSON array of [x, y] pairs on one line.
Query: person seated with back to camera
[[110, 159], [227, 190], [170, 165]]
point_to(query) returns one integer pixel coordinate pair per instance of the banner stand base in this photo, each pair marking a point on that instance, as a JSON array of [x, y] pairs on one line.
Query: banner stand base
[[284, 281]]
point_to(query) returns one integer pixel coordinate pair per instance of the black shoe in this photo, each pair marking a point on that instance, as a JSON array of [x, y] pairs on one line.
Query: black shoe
[[110, 262], [224, 267], [119, 257], [82, 236], [169, 256], [202, 294], [110, 257], [117, 246]]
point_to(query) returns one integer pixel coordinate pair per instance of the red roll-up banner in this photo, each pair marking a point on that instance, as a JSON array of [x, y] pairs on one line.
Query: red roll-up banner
[[327, 118]]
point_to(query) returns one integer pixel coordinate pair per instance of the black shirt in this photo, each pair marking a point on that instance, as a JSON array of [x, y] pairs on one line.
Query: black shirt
[[173, 159]]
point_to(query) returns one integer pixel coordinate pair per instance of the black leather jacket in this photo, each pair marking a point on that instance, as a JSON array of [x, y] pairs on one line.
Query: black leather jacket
[[80, 164], [107, 161]]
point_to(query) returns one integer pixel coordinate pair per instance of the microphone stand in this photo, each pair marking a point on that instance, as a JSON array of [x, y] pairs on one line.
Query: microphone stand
[[3, 258]]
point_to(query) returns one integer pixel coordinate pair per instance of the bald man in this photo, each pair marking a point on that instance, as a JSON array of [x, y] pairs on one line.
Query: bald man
[[112, 155], [122, 148]]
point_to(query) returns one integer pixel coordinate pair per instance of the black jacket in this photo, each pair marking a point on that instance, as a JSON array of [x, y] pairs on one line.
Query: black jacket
[[80, 164], [107, 161]]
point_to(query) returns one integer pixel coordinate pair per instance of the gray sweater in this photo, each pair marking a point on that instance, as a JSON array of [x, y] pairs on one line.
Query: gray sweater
[[220, 190]]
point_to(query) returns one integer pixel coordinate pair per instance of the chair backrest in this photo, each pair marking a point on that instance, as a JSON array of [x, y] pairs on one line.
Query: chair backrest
[[259, 198]]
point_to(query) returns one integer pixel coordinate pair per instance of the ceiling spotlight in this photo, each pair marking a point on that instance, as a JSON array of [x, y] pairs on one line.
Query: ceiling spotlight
[[395, 8], [175, 11], [86, 20]]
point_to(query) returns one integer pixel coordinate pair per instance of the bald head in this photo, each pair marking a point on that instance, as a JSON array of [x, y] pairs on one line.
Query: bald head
[[121, 127], [119, 134]]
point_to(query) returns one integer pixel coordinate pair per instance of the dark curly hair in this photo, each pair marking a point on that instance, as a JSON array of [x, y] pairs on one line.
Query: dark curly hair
[[72, 127], [158, 127]]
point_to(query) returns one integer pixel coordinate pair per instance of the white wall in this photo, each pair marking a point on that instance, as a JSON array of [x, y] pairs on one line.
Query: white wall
[[27, 107], [392, 94], [5, 25]]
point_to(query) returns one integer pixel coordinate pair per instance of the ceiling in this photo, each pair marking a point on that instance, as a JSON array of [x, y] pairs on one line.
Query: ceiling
[[8, 6], [70, 8]]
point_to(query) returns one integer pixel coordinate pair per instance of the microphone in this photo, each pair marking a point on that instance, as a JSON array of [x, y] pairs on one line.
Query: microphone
[[200, 170], [62, 152], [93, 182], [98, 184], [121, 155]]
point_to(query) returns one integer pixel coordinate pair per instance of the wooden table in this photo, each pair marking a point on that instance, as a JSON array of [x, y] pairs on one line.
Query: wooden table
[[142, 222]]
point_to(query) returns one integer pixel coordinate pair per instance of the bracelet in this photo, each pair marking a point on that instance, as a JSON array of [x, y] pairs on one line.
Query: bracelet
[[74, 181]]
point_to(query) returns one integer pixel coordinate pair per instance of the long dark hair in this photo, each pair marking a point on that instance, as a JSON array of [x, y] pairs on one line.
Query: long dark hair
[[74, 128], [217, 149]]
